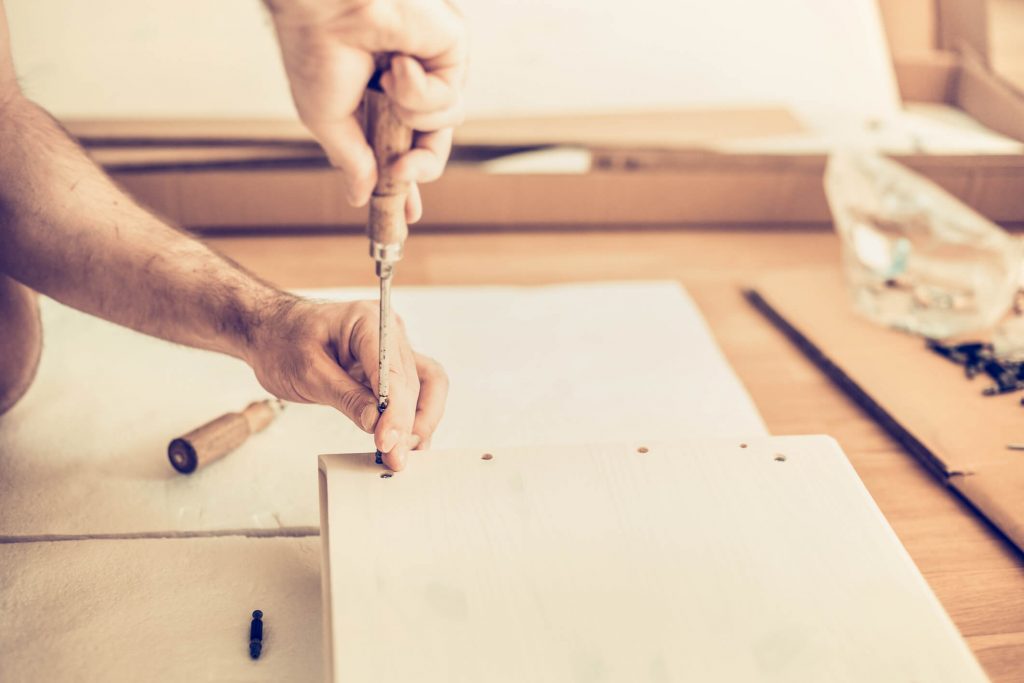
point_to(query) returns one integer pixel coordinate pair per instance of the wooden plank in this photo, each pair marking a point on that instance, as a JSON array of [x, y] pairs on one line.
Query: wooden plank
[[467, 196], [704, 560], [672, 128], [625, 188], [172, 157]]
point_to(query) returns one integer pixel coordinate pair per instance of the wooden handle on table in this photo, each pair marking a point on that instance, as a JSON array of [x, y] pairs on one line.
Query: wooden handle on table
[[390, 139], [217, 438]]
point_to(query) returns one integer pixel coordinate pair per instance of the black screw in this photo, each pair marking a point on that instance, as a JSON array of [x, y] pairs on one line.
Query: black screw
[[977, 358], [382, 405], [256, 634]]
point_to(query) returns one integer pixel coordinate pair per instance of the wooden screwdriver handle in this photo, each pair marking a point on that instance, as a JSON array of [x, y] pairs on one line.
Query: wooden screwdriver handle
[[217, 438], [390, 139]]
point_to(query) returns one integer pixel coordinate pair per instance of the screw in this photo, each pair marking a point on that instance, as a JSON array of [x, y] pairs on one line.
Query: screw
[[256, 634]]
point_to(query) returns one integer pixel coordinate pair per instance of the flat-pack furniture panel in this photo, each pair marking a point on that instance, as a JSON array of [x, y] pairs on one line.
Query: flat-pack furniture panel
[[701, 560]]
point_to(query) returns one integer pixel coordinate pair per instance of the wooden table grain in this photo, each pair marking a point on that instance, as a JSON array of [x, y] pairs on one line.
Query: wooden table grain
[[976, 574]]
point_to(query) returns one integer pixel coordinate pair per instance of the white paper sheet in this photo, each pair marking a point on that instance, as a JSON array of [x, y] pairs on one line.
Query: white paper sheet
[[85, 450], [195, 58], [160, 610]]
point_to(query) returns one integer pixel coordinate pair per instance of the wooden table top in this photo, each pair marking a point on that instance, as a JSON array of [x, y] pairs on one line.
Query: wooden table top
[[976, 574]]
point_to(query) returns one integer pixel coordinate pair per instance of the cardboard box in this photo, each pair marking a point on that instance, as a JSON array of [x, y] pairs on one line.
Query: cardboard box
[[958, 434], [648, 169]]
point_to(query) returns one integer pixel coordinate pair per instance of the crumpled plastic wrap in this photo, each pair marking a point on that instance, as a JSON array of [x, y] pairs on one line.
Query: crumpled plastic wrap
[[915, 257]]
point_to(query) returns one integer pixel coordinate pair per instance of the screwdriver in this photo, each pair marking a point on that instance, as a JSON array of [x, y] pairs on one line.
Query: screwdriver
[[389, 138]]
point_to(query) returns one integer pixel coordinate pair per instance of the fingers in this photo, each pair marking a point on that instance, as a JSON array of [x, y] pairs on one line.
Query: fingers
[[329, 58], [426, 160], [328, 79], [413, 204], [424, 100], [431, 401], [419, 91], [428, 100], [332, 386], [346, 148], [394, 427], [405, 390]]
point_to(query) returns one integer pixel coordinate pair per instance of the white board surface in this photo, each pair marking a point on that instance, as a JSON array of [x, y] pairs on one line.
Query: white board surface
[[698, 561], [813, 56], [165, 610], [85, 451], [195, 58]]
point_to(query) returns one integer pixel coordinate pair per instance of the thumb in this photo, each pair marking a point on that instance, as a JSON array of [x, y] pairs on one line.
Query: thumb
[[347, 149], [350, 398]]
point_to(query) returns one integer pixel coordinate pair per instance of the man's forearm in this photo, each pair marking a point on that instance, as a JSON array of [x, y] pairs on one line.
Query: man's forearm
[[69, 232]]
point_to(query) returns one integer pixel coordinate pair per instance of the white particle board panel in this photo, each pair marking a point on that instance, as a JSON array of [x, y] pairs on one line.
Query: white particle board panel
[[85, 450], [195, 58], [703, 560], [159, 610]]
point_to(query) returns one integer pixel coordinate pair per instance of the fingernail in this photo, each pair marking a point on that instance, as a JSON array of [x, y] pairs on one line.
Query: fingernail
[[389, 440], [355, 199], [368, 418], [399, 457], [400, 66]]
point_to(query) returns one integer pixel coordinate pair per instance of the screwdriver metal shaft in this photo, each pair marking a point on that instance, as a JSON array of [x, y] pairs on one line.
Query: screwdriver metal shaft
[[384, 357]]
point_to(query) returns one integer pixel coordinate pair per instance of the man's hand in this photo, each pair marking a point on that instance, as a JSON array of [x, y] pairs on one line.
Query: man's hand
[[318, 352], [328, 48], [68, 232]]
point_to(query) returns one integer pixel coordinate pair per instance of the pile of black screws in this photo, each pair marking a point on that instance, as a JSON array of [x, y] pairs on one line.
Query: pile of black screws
[[979, 358]]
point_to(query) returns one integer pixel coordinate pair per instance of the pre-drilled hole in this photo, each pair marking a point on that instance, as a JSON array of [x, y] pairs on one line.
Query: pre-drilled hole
[[386, 475], [780, 457], [487, 456], [642, 449], [743, 445]]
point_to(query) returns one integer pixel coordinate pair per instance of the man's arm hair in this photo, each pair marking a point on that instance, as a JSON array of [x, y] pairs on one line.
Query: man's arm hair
[[67, 231]]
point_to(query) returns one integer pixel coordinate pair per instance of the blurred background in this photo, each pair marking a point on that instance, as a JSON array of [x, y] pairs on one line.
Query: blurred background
[[756, 92]]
